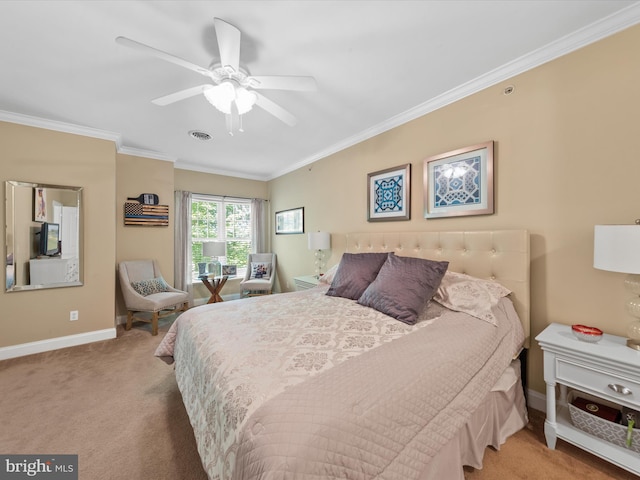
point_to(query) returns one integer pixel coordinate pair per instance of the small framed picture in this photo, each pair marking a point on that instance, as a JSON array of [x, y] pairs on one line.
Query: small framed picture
[[389, 194], [229, 270], [39, 204], [290, 221], [459, 183]]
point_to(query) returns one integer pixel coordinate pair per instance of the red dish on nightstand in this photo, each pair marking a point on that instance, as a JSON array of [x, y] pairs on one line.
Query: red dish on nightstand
[[586, 334]]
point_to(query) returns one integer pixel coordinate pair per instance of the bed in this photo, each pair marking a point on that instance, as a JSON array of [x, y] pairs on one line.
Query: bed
[[314, 384]]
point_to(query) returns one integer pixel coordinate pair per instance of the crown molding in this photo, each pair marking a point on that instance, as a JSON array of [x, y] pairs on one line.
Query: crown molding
[[74, 129], [138, 152], [213, 171], [625, 18], [58, 126]]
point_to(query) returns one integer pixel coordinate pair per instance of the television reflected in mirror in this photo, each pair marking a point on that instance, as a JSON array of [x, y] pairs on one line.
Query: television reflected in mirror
[[49, 239], [43, 236]]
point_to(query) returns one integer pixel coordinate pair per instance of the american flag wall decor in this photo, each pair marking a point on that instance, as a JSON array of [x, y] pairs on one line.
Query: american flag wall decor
[[150, 215]]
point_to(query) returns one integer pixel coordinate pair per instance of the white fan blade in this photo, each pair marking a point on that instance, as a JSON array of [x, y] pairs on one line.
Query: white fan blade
[[275, 110], [229, 44], [276, 82], [181, 95], [141, 47]]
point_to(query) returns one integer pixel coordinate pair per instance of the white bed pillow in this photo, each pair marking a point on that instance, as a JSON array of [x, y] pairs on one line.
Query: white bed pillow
[[328, 276], [471, 295]]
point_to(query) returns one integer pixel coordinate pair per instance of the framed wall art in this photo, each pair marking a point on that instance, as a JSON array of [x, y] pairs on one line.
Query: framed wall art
[[290, 221], [459, 183], [389, 194], [39, 204], [230, 270]]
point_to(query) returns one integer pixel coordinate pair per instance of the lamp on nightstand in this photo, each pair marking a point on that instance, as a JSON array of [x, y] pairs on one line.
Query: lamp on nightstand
[[214, 250], [319, 241], [616, 248]]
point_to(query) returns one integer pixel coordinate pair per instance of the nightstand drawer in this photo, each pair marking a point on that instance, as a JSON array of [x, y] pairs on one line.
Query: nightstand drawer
[[598, 380]]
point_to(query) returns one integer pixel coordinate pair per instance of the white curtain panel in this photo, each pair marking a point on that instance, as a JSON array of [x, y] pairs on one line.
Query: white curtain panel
[[260, 227], [182, 243]]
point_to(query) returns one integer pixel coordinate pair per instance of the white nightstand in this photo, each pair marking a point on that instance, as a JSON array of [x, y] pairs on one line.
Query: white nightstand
[[305, 282], [590, 368]]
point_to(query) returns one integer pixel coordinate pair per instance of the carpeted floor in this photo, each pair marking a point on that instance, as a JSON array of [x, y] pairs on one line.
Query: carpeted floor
[[118, 407]]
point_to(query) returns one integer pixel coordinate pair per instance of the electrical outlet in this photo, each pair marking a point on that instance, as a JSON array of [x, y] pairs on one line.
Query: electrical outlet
[[73, 315]]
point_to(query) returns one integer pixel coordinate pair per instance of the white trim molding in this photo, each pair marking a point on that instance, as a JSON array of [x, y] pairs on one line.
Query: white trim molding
[[40, 346], [536, 400], [58, 126]]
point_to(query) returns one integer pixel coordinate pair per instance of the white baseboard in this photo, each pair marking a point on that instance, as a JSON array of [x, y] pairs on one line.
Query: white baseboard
[[56, 343], [537, 400]]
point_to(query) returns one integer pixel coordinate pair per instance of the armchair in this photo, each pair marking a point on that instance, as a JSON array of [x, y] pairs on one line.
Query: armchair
[[145, 291], [260, 276]]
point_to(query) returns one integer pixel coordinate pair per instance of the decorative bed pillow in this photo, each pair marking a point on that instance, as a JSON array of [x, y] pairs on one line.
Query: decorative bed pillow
[[403, 287], [355, 272], [471, 295], [148, 287], [260, 270]]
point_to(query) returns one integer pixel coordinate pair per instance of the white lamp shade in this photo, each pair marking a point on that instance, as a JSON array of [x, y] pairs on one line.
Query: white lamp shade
[[319, 241], [616, 248], [214, 249]]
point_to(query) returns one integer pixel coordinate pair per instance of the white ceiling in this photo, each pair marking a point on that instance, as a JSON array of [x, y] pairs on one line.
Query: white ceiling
[[378, 64]]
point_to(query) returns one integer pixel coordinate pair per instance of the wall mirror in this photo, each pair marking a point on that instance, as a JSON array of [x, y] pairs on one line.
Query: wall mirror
[[43, 236]]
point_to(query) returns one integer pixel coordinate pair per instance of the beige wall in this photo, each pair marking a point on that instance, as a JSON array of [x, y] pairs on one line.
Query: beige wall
[[566, 159], [44, 156], [198, 182], [136, 175]]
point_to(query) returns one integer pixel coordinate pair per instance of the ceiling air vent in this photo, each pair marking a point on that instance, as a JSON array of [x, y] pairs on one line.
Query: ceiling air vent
[[199, 135]]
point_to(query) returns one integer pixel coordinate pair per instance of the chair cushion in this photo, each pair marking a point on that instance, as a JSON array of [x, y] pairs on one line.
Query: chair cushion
[[260, 270], [256, 284], [149, 287]]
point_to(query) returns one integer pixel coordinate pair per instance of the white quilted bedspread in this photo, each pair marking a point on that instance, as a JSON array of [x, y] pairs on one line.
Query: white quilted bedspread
[[270, 395]]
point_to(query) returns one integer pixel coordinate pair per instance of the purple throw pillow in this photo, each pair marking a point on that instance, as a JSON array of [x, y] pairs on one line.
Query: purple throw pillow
[[403, 287], [355, 272]]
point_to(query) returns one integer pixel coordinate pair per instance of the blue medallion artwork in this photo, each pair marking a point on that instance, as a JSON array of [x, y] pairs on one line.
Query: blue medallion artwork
[[458, 183], [388, 194]]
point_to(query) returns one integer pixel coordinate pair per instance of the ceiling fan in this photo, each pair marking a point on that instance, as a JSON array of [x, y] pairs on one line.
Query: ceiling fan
[[233, 91]]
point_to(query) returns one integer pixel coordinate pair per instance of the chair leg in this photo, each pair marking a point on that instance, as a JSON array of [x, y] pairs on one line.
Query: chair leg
[[129, 320], [154, 324]]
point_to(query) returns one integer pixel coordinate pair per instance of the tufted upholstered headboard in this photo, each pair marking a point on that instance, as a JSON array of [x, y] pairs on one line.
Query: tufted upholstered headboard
[[500, 255]]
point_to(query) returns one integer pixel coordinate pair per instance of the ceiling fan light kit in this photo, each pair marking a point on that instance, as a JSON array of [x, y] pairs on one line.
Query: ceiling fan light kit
[[223, 97], [233, 90]]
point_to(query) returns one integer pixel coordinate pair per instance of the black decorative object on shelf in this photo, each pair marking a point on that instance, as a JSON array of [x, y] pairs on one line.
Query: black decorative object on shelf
[[146, 199]]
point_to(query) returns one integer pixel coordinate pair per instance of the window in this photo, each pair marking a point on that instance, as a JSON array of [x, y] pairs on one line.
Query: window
[[221, 219]]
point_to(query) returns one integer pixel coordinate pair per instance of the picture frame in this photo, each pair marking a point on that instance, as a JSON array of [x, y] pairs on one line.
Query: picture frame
[[389, 194], [460, 182], [230, 270], [290, 221], [39, 204]]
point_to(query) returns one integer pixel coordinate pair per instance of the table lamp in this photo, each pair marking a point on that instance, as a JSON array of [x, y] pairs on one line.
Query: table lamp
[[616, 248], [319, 241], [214, 250]]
